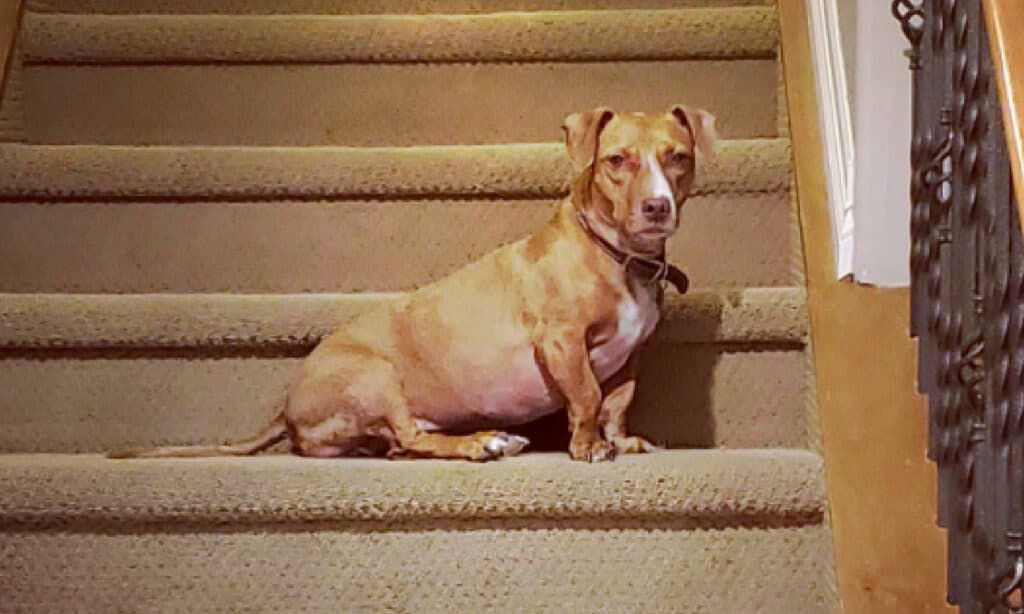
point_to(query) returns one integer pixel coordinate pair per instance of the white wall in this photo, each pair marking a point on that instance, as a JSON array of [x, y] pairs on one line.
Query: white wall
[[881, 127], [867, 136]]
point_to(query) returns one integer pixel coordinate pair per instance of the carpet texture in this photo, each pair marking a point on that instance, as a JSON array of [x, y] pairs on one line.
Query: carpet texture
[[193, 192], [706, 487], [676, 531], [776, 570], [360, 7], [538, 170], [500, 37], [90, 219], [689, 395], [726, 241], [407, 104], [765, 315]]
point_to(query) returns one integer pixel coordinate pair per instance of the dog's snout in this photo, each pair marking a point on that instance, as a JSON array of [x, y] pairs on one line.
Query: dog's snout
[[656, 209]]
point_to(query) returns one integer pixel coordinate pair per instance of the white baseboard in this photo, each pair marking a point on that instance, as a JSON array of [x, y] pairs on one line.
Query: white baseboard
[[837, 127]]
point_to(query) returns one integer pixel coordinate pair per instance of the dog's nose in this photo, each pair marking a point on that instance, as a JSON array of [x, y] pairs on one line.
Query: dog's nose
[[656, 209]]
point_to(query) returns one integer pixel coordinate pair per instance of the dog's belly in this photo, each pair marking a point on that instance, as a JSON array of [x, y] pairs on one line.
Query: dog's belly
[[500, 383], [498, 390]]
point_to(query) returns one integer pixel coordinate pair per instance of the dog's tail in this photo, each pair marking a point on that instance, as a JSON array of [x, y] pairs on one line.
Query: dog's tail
[[274, 432]]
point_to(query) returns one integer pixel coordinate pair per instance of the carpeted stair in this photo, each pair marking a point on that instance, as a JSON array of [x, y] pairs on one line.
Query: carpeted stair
[[192, 192]]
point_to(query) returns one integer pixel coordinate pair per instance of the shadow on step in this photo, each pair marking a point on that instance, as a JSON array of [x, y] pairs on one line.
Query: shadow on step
[[676, 393], [187, 527], [673, 406]]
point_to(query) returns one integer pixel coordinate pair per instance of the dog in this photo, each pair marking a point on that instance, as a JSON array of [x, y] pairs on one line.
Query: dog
[[548, 322]]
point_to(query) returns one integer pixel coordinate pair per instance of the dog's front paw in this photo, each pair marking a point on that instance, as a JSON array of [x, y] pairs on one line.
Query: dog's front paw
[[591, 450], [634, 445]]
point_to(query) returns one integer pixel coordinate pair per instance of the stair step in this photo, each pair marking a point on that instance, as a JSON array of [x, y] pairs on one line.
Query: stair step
[[780, 570], [516, 170], [361, 7], [724, 241], [689, 395], [363, 105], [66, 321], [382, 80], [686, 487], [703, 531], [110, 219], [91, 373], [151, 182], [578, 36]]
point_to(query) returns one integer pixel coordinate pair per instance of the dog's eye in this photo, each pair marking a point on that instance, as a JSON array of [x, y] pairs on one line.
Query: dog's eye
[[616, 160], [680, 157]]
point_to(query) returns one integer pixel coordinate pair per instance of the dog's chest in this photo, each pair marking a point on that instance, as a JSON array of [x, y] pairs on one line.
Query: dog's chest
[[637, 317]]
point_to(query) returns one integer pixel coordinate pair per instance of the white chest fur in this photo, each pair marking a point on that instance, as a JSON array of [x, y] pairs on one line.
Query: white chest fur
[[637, 317]]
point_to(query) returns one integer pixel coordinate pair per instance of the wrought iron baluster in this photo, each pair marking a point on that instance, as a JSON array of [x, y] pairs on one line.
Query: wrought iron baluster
[[967, 290], [1005, 574], [961, 296]]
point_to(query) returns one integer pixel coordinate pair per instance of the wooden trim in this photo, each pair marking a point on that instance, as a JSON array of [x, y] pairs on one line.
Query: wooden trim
[[889, 554], [11, 12], [1003, 18], [806, 137]]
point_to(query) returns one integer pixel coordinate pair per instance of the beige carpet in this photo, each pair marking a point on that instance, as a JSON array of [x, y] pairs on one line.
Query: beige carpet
[[709, 487], [707, 531], [549, 570], [194, 191]]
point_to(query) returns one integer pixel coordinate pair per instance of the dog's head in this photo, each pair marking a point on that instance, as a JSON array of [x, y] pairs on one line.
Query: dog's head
[[638, 169]]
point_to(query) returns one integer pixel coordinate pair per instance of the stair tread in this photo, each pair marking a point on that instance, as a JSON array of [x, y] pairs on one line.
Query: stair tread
[[662, 34], [522, 170], [358, 7], [765, 315], [781, 487]]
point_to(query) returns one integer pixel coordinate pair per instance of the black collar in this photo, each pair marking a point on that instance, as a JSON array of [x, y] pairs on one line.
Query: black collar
[[647, 269]]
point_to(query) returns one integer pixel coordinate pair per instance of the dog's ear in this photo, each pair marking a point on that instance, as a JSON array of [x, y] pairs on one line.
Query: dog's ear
[[582, 131], [701, 125]]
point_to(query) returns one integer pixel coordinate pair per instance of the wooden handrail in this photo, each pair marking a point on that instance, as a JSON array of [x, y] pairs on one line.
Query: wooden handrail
[[11, 12], [1003, 18]]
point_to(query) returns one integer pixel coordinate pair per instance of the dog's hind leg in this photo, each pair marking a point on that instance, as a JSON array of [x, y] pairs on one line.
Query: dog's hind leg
[[412, 439], [323, 420], [480, 446], [359, 396]]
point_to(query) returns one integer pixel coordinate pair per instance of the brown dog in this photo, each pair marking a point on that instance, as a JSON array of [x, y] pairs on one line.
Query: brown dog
[[551, 321]]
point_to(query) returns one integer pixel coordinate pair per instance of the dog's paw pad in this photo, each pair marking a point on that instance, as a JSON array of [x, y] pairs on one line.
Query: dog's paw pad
[[505, 444]]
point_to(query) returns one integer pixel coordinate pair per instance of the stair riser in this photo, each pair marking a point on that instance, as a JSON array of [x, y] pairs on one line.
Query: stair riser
[[548, 570], [555, 36], [725, 240], [690, 395], [363, 7], [368, 105]]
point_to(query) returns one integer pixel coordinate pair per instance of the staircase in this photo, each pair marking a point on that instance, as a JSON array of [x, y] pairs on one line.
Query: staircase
[[193, 191]]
